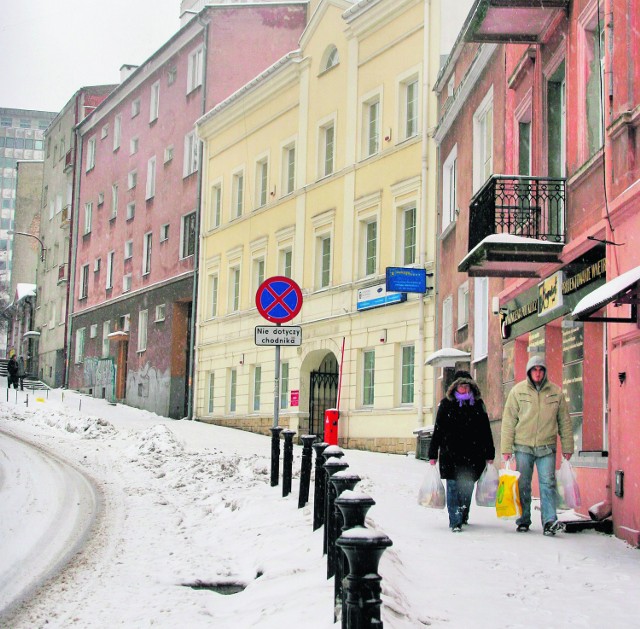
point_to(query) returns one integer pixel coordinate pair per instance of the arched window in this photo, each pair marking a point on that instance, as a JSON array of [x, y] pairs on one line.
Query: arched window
[[330, 58]]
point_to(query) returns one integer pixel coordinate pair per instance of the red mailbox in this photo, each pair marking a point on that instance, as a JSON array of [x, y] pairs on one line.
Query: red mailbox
[[331, 416]]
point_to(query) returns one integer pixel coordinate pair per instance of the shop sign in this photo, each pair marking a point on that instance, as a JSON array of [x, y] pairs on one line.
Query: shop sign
[[376, 296], [550, 294]]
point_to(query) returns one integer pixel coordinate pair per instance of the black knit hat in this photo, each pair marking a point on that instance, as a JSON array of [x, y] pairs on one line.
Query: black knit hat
[[462, 374]]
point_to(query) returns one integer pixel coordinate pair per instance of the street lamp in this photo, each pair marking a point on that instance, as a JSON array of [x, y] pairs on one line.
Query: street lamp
[[43, 249]]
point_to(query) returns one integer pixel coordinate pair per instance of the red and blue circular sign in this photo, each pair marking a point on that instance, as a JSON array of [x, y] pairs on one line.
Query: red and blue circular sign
[[279, 299]]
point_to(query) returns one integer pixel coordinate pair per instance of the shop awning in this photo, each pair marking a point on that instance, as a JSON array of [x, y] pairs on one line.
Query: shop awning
[[447, 357], [622, 290]]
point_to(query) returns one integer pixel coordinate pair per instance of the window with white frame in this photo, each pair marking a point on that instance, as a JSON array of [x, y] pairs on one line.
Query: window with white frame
[[191, 145], [154, 103], [84, 282], [168, 154], [327, 149], [233, 386], [449, 188], [215, 216], [128, 249], [408, 234], [258, 272], [447, 322], [289, 168], [117, 132], [591, 49], [407, 374], [114, 200], [131, 210], [483, 141], [126, 283], [164, 232], [195, 69], [143, 324], [286, 262], [135, 107], [132, 179], [106, 330], [91, 154], [188, 241], [237, 200], [234, 289], [79, 349], [93, 330], [151, 178], [371, 126], [480, 317], [146, 253], [410, 99], [109, 278], [88, 217], [257, 386], [210, 391], [262, 182], [124, 322], [368, 247], [284, 384], [463, 304], [368, 377], [105, 131], [134, 144], [213, 295], [96, 265], [172, 75], [330, 58], [323, 260], [160, 312]]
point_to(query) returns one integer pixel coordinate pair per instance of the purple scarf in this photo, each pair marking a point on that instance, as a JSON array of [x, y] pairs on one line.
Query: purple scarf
[[464, 397]]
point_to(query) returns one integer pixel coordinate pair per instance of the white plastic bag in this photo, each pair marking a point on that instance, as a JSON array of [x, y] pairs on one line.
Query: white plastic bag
[[431, 492], [567, 484], [487, 487]]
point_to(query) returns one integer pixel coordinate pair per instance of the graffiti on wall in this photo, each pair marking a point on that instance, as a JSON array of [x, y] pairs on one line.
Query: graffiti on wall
[[149, 389], [100, 375]]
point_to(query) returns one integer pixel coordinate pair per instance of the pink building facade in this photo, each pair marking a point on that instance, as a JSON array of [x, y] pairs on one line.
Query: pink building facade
[[556, 226], [137, 210]]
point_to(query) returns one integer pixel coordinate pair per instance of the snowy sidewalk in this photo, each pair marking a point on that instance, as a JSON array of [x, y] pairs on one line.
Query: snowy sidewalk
[[187, 502]]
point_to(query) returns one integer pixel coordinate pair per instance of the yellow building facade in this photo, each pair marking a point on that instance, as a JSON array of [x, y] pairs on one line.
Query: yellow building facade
[[321, 170]]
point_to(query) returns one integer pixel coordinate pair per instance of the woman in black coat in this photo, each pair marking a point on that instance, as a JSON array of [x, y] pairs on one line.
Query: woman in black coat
[[463, 442]]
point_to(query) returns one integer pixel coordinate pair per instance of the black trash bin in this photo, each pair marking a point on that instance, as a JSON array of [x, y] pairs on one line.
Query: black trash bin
[[423, 441]]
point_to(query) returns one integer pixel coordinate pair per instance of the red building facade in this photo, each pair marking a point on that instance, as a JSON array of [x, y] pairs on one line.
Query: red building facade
[[137, 211]]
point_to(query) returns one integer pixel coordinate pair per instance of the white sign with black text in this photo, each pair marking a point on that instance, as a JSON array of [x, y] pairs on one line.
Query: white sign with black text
[[278, 335]]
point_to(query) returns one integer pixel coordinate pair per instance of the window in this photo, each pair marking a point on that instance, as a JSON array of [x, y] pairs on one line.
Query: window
[[188, 243], [134, 144], [463, 305], [124, 321], [96, 265], [146, 253], [135, 107], [190, 165], [160, 312], [592, 52], [93, 330], [238, 194], [109, 279], [117, 131], [172, 74], [195, 69], [106, 330], [408, 363], [329, 59], [410, 95], [79, 354], [151, 178], [371, 131], [368, 377], [289, 169], [168, 154], [88, 216], [447, 322], [324, 262], [286, 260], [143, 321], [91, 154], [327, 149], [258, 272], [154, 103], [257, 385], [483, 142], [216, 206], [84, 282], [131, 210], [234, 289], [213, 295], [210, 390], [480, 317], [557, 124], [262, 182], [409, 235], [100, 198], [284, 385], [132, 179], [369, 247], [164, 232], [126, 283], [105, 132], [114, 200], [449, 187], [128, 249], [233, 383]]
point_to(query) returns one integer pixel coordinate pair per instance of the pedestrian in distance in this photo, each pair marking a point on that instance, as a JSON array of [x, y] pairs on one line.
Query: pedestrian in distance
[[21, 372], [12, 371], [535, 413], [463, 443]]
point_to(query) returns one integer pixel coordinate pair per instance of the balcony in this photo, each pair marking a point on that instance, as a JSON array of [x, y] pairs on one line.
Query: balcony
[[512, 21], [516, 226], [62, 273], [68, 160]]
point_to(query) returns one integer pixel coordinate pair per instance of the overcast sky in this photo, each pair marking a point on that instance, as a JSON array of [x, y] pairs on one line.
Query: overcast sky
[[50, 48]]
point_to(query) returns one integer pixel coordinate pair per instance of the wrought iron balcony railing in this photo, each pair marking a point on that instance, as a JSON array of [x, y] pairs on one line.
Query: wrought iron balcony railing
[[532, 207]]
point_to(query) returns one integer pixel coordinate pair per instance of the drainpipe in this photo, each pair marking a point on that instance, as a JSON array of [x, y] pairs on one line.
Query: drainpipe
[[191, 376]]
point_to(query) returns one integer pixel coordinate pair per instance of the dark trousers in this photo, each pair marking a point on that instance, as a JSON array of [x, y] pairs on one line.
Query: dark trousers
[[459, 492]]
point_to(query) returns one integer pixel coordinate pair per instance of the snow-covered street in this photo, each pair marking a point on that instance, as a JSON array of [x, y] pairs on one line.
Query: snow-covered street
[[184, 503]]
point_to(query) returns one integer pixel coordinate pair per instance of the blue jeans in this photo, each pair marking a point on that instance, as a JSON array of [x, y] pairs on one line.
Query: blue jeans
[[459, 492], [546, 464]]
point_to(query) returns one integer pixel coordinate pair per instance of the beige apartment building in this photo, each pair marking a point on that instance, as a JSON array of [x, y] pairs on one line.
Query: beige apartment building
[[321, 170]]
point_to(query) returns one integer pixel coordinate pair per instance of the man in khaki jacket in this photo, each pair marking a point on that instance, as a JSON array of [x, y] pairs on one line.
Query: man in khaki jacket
[[535, 412]]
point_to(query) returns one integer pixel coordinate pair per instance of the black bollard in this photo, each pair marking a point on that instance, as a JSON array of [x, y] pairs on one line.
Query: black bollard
[[275, 454], [333, 451], [318, 490], [331, 466], [305, 469], [363, 548], [353, 507], [287, 461], [341, 481]]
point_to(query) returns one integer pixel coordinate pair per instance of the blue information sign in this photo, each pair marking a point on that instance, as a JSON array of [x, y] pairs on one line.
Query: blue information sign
[[402, 279]]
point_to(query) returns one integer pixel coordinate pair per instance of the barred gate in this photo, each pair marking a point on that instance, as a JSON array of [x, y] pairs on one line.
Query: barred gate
[[324, 394]]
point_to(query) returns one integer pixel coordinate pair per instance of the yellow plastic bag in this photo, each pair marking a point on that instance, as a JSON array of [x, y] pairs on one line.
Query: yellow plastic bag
[[508, 505]]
